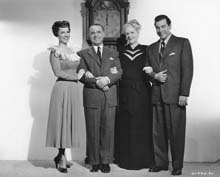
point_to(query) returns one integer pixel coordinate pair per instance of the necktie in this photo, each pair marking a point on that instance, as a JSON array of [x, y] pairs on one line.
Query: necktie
[[99, 53], [162, 47]]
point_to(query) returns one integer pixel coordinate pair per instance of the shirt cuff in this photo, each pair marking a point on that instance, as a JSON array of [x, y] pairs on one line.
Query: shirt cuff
[[147, 69]]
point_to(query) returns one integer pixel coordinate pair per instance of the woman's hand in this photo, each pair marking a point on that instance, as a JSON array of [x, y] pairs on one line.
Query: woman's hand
[[80, 73], [89, 75]]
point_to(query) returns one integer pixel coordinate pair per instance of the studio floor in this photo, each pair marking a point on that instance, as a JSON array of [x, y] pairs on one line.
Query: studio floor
[[78, 169]]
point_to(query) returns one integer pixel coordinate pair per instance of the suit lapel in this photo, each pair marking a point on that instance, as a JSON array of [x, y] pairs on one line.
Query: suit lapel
[[105, 58], [156, 52], [94, 56], [169, 46]]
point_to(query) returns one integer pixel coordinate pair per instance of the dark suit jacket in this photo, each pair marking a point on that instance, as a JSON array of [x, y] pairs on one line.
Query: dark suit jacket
[[178, 61], [91, 62]]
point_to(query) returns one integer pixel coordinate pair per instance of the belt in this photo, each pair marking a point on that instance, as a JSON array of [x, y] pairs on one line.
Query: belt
[[62, 79]]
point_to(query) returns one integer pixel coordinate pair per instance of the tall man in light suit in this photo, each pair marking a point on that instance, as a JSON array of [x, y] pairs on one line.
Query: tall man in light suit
[[100, 98], [172, 63]]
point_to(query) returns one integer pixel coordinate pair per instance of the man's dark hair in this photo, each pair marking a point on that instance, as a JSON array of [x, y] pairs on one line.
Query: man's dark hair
[[162, 17], [98, 24]]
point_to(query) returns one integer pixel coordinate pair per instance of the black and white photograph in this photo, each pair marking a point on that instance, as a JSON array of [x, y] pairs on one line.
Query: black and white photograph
[[117, 88]]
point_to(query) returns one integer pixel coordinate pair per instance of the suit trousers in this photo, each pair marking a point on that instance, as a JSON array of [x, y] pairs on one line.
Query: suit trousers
[[169, 122], [100, 124]]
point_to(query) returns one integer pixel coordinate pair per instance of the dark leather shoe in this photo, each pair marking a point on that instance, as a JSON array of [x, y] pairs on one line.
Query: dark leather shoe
[[95, 168], [176, 172], [105, 168], [157, 169]]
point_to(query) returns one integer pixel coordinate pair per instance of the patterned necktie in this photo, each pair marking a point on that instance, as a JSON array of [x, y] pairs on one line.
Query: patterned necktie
[[162, 47], [99, 53]]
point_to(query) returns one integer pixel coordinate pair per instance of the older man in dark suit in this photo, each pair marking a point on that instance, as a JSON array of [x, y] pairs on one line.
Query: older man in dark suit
[[172, 63], [103, 70]]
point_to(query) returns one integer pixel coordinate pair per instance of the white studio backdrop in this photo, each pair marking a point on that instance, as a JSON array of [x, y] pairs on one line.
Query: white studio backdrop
[[27, 78]]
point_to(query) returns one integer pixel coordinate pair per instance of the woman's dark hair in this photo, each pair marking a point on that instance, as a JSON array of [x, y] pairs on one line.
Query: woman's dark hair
[[59, 24]]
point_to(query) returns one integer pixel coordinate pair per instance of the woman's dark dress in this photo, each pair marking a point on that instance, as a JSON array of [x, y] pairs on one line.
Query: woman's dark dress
[[134, 146]]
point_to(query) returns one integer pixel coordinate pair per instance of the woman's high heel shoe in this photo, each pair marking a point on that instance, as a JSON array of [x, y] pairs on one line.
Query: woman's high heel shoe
[[60, 163]]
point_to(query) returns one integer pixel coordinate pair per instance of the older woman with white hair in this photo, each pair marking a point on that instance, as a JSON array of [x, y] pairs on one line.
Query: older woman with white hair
[[134, 145]]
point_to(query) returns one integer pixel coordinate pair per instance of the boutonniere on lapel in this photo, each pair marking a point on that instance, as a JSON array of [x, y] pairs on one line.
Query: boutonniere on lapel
[[113, 70], [111, 58], [171, 54]]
